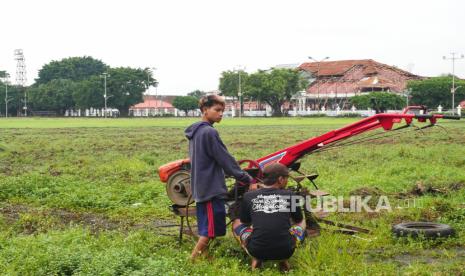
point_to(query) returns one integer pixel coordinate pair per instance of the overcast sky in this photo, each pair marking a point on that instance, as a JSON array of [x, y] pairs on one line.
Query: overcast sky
[[192, 42]]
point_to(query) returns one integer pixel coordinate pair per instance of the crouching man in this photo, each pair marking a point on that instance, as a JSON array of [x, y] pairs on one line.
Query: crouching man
[[270, 226]]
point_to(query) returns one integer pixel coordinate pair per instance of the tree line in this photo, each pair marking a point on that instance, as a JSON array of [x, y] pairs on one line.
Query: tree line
[[273, 87], [77, 82], [276, 86]]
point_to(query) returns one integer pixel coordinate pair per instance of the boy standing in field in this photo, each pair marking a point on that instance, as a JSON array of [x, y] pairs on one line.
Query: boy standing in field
[[210, 160]]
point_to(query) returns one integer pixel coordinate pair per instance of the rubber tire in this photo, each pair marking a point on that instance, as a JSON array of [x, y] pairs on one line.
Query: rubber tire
[[423, 229]]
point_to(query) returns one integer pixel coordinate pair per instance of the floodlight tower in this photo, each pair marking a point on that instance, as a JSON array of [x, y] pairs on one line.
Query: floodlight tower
[[21, 77]]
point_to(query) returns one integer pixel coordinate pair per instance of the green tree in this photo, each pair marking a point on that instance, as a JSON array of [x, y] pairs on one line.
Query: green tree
[[379, 101], [150, 80], [125, 87], [275, 87], [56, 95], [15, 98], [15, 95], [186, 103], [72, 68], [436, 91], [89, 93], [229, 83], [197, 94]]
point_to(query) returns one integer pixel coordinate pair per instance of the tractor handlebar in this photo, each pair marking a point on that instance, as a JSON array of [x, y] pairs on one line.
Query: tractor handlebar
[[429, 116], [451, 117]]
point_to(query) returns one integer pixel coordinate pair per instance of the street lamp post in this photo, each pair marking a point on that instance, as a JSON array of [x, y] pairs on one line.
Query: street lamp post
[[453, 58], [7, 100], [407, 94], [6, 95], [239, 90], [317, 75], [239, 93], [150, 71], [25, 102], [105, 75]]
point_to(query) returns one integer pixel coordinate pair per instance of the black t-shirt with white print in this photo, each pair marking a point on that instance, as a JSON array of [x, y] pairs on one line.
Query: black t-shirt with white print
[[269, 211]]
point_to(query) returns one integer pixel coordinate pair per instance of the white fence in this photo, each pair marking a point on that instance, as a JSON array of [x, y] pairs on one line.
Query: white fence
[[332, 113], [93, 112]]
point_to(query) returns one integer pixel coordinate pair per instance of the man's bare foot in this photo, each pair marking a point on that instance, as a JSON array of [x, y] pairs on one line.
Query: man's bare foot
[[197, 255], [200, 249], [256, 264], [284, 266]]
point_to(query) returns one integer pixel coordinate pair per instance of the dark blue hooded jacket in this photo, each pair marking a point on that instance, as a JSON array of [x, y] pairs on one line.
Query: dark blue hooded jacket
[[210, 160]]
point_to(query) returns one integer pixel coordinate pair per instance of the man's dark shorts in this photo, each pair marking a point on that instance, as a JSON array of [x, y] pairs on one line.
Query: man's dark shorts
[[211, 218], [264, 254]]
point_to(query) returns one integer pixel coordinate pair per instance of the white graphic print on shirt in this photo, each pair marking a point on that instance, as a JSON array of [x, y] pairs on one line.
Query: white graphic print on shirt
[[270, 203]]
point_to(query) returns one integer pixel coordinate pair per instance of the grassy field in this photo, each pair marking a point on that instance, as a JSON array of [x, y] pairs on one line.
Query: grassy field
[[82, 196], [165, 122]]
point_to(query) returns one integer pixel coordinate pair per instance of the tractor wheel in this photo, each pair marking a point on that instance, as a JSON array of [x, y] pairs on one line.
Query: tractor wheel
[[178, 188], [426, 229]]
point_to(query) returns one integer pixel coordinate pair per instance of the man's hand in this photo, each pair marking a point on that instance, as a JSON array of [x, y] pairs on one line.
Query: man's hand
[[298, 233], [253, 187]]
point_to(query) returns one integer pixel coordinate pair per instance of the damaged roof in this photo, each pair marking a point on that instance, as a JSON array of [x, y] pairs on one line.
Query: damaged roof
[[340, 67]]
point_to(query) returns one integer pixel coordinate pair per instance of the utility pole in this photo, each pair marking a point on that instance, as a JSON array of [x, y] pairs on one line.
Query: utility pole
[[150, 71], [156, 92], [7, 100], [239, 93], [453, 58], [6, 94], [104, 76], [239, 90], [407, 93], [317, 75]]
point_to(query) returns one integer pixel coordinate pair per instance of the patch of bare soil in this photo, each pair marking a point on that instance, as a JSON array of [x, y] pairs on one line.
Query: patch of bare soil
[[373, 192], [367, 191], [425, 256], [420, 189], [95, 222]]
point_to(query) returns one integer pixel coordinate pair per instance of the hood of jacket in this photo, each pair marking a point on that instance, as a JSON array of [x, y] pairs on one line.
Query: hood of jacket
[[191, 130]]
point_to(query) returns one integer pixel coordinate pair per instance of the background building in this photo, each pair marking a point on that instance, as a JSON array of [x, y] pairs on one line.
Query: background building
[[332, 83], [153, 106]]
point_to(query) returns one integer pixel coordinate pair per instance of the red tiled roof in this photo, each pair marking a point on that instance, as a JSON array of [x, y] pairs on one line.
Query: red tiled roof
[[340, 67], [166, 98], [375, 82], [152, 101], [349, 76], [149, 103]]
